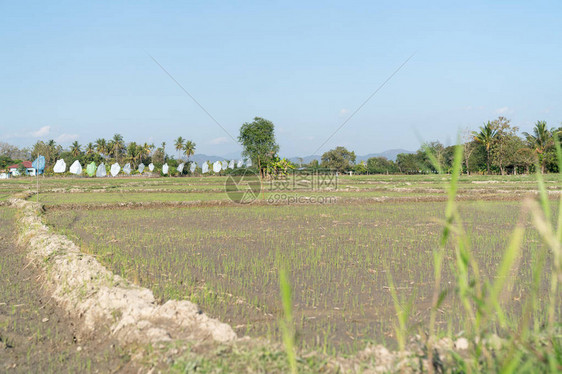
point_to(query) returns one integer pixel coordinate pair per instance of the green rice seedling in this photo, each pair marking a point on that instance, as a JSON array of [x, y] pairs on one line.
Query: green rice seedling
[[403, 311], [286, 324], [222, 257]]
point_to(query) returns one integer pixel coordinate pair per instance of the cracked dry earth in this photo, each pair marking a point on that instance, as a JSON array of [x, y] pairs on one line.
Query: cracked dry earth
[[35, 334]]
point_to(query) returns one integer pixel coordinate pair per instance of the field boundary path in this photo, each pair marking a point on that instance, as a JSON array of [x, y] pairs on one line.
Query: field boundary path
[[87, 290]]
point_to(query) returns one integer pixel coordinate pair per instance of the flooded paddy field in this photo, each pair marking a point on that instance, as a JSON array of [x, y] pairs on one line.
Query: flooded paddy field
[[342, 255]]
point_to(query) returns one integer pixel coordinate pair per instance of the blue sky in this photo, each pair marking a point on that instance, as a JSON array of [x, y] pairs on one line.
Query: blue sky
[[73, 71]]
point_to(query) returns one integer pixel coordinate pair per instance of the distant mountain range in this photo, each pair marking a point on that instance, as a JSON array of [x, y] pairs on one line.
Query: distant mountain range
[[201, 158], [389, 154]]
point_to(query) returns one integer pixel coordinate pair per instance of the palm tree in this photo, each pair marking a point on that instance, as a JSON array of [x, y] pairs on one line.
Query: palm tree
[[52, 151], [90, 148], [101, 146], [134, 153], [145, 150], [117, 146], [189, 148], [75, 149], [179, 145], [540, 140], [487, 135]]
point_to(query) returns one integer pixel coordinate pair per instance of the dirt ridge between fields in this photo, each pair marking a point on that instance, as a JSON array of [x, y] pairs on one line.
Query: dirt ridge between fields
[[337, 200], [87, 290]]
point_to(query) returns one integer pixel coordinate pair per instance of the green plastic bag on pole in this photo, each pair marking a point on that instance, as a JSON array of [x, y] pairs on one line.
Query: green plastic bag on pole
[[91, 169]]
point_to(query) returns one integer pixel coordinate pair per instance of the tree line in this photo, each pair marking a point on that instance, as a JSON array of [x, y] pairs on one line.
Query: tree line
[[495, 148], [102, 150]]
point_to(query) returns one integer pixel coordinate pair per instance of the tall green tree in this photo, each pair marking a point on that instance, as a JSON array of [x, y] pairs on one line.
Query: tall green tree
[[380, 165], [179, 144], [502, 149], [189, 148], [258, 140], [408, 163], [314, 164], [117, 146], [50, 150], [146, 149], [101, 147], [75, 149], [90, 149], [339, 159], [524, 157], [53, 151], [540, 141], [159, 157], [516, 153], [134, 153], [469, 145], [164, 150], [438, 150], [486, 136]]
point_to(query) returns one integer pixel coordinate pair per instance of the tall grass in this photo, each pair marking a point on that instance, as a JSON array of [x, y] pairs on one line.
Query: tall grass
[[526, 345], [287, 326], [403, 307]]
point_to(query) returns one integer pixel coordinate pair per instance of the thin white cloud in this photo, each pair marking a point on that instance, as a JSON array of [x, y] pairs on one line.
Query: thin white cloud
[[43, 131], [472, 107], [219, 140], [66, 138], [503, 110]]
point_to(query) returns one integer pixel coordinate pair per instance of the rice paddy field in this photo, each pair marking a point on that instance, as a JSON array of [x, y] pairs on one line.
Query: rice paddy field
[[226, 259], [368, 238], [68, 191]]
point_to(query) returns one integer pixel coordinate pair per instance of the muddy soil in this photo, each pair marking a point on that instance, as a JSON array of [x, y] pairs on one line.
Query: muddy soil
[[36, 336]]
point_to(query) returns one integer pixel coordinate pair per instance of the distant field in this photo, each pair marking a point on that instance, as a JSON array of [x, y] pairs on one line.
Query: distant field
[[226, 258], [344, 181], [356, 189]]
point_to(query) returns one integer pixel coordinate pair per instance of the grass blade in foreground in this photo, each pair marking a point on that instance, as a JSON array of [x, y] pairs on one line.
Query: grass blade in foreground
[[286, 323]]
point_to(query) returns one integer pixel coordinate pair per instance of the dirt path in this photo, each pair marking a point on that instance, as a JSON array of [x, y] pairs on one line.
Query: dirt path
[[35, 334]]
